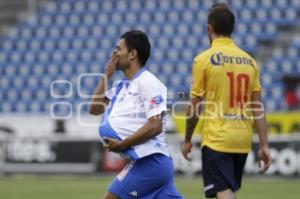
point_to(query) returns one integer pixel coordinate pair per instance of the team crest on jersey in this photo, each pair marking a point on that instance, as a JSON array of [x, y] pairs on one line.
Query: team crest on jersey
[[155, 101]]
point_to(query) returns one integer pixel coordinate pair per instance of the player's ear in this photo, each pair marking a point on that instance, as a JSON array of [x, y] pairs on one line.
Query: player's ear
[[133, 54], [209, 28]]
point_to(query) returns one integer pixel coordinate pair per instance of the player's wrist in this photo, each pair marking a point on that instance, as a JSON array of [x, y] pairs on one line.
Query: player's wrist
[[122, 145], [187, 140], [264, 146], [108, 74]]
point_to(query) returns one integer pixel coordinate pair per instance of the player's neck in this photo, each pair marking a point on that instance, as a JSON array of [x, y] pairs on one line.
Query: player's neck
[[131, 71], [215, 36]]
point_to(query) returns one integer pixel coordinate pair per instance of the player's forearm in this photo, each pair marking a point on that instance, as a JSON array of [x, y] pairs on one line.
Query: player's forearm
[[192, 119], [260, 119], [262, 130], [98, 104], [145, 133], [191, 123]]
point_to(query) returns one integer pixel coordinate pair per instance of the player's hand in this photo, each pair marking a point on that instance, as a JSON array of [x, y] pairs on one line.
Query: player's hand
[[112, 64], [264, 158], [186, 150], [113, 145]]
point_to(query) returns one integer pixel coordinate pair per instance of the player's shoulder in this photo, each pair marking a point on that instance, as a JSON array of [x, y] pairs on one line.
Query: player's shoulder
[[247, 55], [147, 75], [148, 78], [203, 55]]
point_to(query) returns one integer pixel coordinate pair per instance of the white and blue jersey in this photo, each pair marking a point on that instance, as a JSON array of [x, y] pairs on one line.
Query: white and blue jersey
[[132, 103]]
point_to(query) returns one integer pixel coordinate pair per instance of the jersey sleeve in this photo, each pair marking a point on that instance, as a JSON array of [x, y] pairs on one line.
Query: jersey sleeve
[[198, 80], [257, 85], [154, 97]]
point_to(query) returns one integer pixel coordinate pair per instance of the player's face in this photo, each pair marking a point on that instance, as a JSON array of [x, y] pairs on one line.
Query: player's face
[[123, 55]]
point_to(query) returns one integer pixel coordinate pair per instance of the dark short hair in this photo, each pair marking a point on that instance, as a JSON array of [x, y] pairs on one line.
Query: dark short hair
[[136, 39], [221, 18]]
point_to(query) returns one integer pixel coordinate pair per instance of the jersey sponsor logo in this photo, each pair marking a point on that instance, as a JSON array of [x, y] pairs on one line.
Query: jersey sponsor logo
[[133, 93], [219, 58], [215, 59], [155, 101]]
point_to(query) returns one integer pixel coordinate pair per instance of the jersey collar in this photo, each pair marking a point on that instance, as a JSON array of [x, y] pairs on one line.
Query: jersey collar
[[127, 81], [139, 73], [222, 41]]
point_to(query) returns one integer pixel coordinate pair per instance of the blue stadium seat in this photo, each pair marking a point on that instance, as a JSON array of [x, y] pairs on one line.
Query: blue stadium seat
[[154, 30], [65, 7], [158, 55], [167, 68], [277, 93], [93, 6], [187, 17], [266, 4], [79, 7], [183, 68], [296, 41], [5, 83], [164, 5], [292, 53], [286, 67], [107, 5], [295, 3], [270, 105], [153, 67], [297, 65], [173, 17], [163, 78], [188, 55]]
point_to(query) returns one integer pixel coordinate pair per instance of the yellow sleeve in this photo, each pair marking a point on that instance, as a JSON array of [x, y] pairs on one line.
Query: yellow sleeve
[[257, 86], [198, 80]]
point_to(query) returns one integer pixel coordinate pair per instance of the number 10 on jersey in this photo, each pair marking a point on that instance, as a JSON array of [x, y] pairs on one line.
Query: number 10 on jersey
[[240, 84]]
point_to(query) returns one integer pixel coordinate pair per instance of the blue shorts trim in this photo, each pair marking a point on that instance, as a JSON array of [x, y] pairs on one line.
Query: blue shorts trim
[[221, 171], [146, 178]]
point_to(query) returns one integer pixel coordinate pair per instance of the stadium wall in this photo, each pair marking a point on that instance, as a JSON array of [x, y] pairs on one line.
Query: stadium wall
[[29, 145]]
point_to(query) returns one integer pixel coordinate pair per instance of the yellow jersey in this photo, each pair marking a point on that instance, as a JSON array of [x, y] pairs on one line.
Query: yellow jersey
[[226, 76]]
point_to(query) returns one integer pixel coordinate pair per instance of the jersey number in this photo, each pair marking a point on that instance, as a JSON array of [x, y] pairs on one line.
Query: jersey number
[[242, 80]]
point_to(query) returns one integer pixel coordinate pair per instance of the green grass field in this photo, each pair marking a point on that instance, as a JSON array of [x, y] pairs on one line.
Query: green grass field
[[86, 187]]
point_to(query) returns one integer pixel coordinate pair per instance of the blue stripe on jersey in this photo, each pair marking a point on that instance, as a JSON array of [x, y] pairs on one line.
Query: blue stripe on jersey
[[113, 100], [105, 130]]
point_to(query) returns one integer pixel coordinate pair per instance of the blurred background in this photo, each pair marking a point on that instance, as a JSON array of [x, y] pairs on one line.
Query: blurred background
[[52, 53]]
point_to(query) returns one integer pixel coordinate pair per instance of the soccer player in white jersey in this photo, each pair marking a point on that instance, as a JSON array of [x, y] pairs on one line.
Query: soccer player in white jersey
[[133, 123]]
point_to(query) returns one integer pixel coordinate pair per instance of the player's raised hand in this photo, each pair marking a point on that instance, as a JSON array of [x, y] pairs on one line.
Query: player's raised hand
[[112, 64], [186, 150], [264, 158]]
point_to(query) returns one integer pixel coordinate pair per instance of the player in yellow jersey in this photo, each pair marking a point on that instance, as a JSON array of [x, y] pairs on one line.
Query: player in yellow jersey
[[226, 81]]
